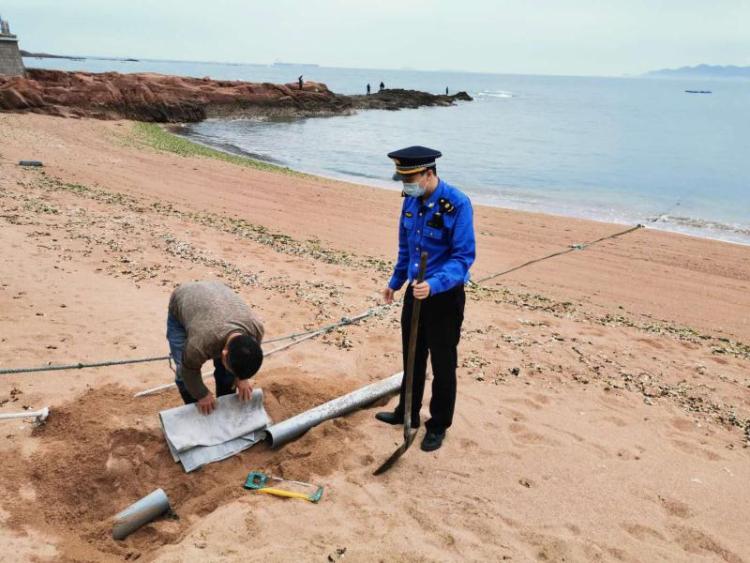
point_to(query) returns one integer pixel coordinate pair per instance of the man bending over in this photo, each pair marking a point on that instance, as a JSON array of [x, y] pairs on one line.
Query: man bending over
[[208, 321]]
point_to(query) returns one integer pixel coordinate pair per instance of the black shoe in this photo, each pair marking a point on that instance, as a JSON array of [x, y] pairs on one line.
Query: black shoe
[[432, 440], [395, 418]]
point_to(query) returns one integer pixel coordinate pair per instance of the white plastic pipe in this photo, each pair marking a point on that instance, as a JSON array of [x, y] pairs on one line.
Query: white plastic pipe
[[155, 390], [140, 513], [289, 429], [40, 415]]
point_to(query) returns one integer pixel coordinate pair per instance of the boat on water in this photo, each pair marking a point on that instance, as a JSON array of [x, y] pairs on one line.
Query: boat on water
[[698, 91]]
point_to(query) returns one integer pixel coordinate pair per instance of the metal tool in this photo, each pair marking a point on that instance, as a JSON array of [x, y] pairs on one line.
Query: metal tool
[[409, 377], [39, 416], [257, 480]]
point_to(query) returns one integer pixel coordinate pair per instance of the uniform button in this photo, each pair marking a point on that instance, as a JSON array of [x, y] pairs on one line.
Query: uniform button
[[420, 214], [417, 231]]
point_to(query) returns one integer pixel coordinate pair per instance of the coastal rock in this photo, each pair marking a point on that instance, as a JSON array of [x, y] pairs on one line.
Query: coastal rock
[[171, 99], [155, 97], [396, 98]]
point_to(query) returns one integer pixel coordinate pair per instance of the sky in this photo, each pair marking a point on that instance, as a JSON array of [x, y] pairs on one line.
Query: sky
[[561, 37]]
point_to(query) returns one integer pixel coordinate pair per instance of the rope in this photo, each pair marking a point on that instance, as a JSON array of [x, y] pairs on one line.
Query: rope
[[299, 337], [296, 339], [305, 336], [571, 248], [7, 371], [313, 333]]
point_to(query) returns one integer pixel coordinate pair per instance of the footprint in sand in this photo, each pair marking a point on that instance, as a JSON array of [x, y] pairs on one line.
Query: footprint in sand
[[696, 542], [467, 444], [675, 507], [526, 401], [620, 423], [516, 415], [525, 435], [682, 424], [692, 449], [651, 343], [641, 532]]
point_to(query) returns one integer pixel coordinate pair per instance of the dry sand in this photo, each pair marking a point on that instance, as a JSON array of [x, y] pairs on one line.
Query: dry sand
[[603, 395]]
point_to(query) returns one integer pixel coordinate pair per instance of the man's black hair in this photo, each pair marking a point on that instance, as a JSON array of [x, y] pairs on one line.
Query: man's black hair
[[245, 356]]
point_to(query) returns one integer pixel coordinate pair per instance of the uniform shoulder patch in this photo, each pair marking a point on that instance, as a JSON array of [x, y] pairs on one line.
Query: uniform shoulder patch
[[446, 205], [408, 214]]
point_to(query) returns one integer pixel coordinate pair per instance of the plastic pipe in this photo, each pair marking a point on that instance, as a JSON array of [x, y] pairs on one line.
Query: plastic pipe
[[140, 513], [291, 428], [40, 415]]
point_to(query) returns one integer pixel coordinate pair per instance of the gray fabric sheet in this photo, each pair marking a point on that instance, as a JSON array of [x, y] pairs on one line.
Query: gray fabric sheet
[[195, 439]]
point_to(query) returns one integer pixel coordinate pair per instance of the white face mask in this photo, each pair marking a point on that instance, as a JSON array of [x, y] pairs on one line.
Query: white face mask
[[413, 189]]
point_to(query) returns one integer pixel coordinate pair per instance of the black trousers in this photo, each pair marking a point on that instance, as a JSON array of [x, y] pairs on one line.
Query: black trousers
[[439, 331], [224, 383]]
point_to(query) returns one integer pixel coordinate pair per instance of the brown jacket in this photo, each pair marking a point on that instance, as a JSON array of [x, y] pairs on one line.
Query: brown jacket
[[210, 312]]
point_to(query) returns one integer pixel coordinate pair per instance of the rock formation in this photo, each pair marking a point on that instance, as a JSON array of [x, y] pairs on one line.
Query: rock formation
[[394, 99], [172, 99]]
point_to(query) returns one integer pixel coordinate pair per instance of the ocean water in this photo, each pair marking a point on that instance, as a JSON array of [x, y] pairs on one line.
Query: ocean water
[[624, 150]]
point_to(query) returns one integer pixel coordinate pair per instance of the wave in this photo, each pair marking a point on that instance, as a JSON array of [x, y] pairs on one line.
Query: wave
[[496, 94], [354, 173], [701, 224], [693, 226]]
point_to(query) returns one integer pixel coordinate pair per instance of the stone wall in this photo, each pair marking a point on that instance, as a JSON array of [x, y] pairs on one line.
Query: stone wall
[[10, 57]]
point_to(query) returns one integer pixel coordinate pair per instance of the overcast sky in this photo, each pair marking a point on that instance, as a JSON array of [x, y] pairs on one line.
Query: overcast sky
[[577, 37]]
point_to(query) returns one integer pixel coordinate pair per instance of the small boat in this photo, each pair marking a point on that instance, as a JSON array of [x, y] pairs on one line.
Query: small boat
[[698, 91]]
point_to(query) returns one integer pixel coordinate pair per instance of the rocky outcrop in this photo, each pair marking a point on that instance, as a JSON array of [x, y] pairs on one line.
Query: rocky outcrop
[[394, 99], [172, 99], [160, 98]]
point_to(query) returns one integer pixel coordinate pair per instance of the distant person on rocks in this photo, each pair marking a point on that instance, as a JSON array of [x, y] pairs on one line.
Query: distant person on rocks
[[300, 81], [446, 90], [208, 321], [438, 219], [368, 88], [382, 86]]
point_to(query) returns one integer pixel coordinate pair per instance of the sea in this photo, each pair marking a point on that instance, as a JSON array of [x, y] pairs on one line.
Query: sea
[[625, 150]]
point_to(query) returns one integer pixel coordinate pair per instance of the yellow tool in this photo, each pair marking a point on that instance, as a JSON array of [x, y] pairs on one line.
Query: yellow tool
[[257, 482]]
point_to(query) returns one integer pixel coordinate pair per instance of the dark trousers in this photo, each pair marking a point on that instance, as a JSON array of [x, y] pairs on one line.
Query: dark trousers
[[177, 338], [439, 331], [224, 383]]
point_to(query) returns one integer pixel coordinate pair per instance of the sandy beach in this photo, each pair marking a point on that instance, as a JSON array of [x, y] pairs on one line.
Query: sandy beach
[[603, 407]]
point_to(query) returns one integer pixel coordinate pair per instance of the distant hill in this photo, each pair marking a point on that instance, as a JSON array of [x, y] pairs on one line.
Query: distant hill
[[49, 56], [702, 71]]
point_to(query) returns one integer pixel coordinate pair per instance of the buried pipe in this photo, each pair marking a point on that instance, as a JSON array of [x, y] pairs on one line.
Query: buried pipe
[[39, 416], [140, 513], [291, 428]]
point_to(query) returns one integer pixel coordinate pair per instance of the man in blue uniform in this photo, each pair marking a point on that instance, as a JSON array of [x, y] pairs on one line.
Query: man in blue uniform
[[436, 218]]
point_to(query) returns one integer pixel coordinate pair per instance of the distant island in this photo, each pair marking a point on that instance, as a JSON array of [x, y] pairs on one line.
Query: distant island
[[702, 71], [310, 65], [49, 56], [29, 54]]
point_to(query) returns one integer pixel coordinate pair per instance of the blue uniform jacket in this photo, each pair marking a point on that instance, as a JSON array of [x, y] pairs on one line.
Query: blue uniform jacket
[[443, 225]]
